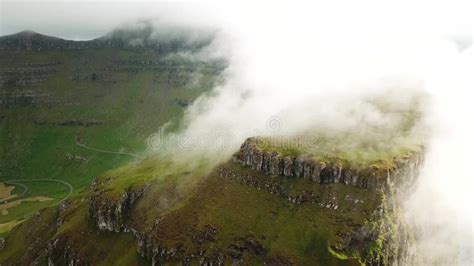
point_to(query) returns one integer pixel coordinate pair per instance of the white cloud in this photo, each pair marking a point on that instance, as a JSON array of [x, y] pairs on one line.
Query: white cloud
[[311, 64]]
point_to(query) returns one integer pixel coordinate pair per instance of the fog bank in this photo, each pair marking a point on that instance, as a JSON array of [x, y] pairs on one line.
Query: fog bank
[[314, 66], [293, 68]]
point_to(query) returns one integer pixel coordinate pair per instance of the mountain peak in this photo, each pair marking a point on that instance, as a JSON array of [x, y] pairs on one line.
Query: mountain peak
[[31, 40], [26, 33], [134, 38]]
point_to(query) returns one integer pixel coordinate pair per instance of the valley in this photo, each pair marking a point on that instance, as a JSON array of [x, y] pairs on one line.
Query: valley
[[51, 99]]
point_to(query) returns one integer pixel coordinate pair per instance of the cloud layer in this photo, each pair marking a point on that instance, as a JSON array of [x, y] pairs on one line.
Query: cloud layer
[[317, 66]]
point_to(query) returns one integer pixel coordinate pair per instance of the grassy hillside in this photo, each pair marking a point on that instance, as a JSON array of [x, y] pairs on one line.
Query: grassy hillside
[[107, 98], [74, 125], [175, 212]]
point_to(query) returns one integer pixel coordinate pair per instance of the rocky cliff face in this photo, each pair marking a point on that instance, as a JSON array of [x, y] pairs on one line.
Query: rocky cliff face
[[386, 239], [18, 85], [111, 213], [60, 251], [27, 75], [404, 170]]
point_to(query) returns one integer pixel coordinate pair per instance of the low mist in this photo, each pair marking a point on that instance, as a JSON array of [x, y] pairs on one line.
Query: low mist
[[294, 68]]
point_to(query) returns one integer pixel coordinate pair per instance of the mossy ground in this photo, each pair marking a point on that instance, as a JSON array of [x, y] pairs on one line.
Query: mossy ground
[[342, 149], [398, 134]]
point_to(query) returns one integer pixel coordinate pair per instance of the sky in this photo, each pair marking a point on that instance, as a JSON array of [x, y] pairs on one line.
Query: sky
[[81, 20], [84, 19], [319, 58]]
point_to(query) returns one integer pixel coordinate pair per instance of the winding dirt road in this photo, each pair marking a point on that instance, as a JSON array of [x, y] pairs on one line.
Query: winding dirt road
[[23, 186], [17, 182], [110, 152]]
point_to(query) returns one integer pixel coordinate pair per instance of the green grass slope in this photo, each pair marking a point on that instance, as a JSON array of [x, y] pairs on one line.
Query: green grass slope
[[111, 99], [177, 207], [173, 212]]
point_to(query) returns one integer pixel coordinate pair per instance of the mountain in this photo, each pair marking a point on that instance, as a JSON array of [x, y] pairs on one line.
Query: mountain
[[79, 184], [133, 39], [260, 207], [68, 115]]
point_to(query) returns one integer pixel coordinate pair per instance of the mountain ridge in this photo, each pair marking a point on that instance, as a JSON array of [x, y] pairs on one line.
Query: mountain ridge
[[119, 38]]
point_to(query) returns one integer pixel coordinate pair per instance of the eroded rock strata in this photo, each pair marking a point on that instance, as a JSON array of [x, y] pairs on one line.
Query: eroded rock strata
[[401, 171], [111, 213]]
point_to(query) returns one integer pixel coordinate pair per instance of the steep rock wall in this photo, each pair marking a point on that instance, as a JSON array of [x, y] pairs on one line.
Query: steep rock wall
[[402, 172], [386, 238], [111, 213]]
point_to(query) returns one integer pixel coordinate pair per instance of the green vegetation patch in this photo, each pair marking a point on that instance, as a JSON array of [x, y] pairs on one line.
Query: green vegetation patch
[[109, 99]]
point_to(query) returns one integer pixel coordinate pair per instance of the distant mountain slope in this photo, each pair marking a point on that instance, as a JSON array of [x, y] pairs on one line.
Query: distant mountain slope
[[54, 93], [145, 38]]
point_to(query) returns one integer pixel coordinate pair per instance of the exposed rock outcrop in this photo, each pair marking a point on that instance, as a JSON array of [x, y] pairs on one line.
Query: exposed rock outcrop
[[159, 254], [111, 213], [403, 171], [32, 98], [69, 123], [32, 75], [60, 251], [386, 238]]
